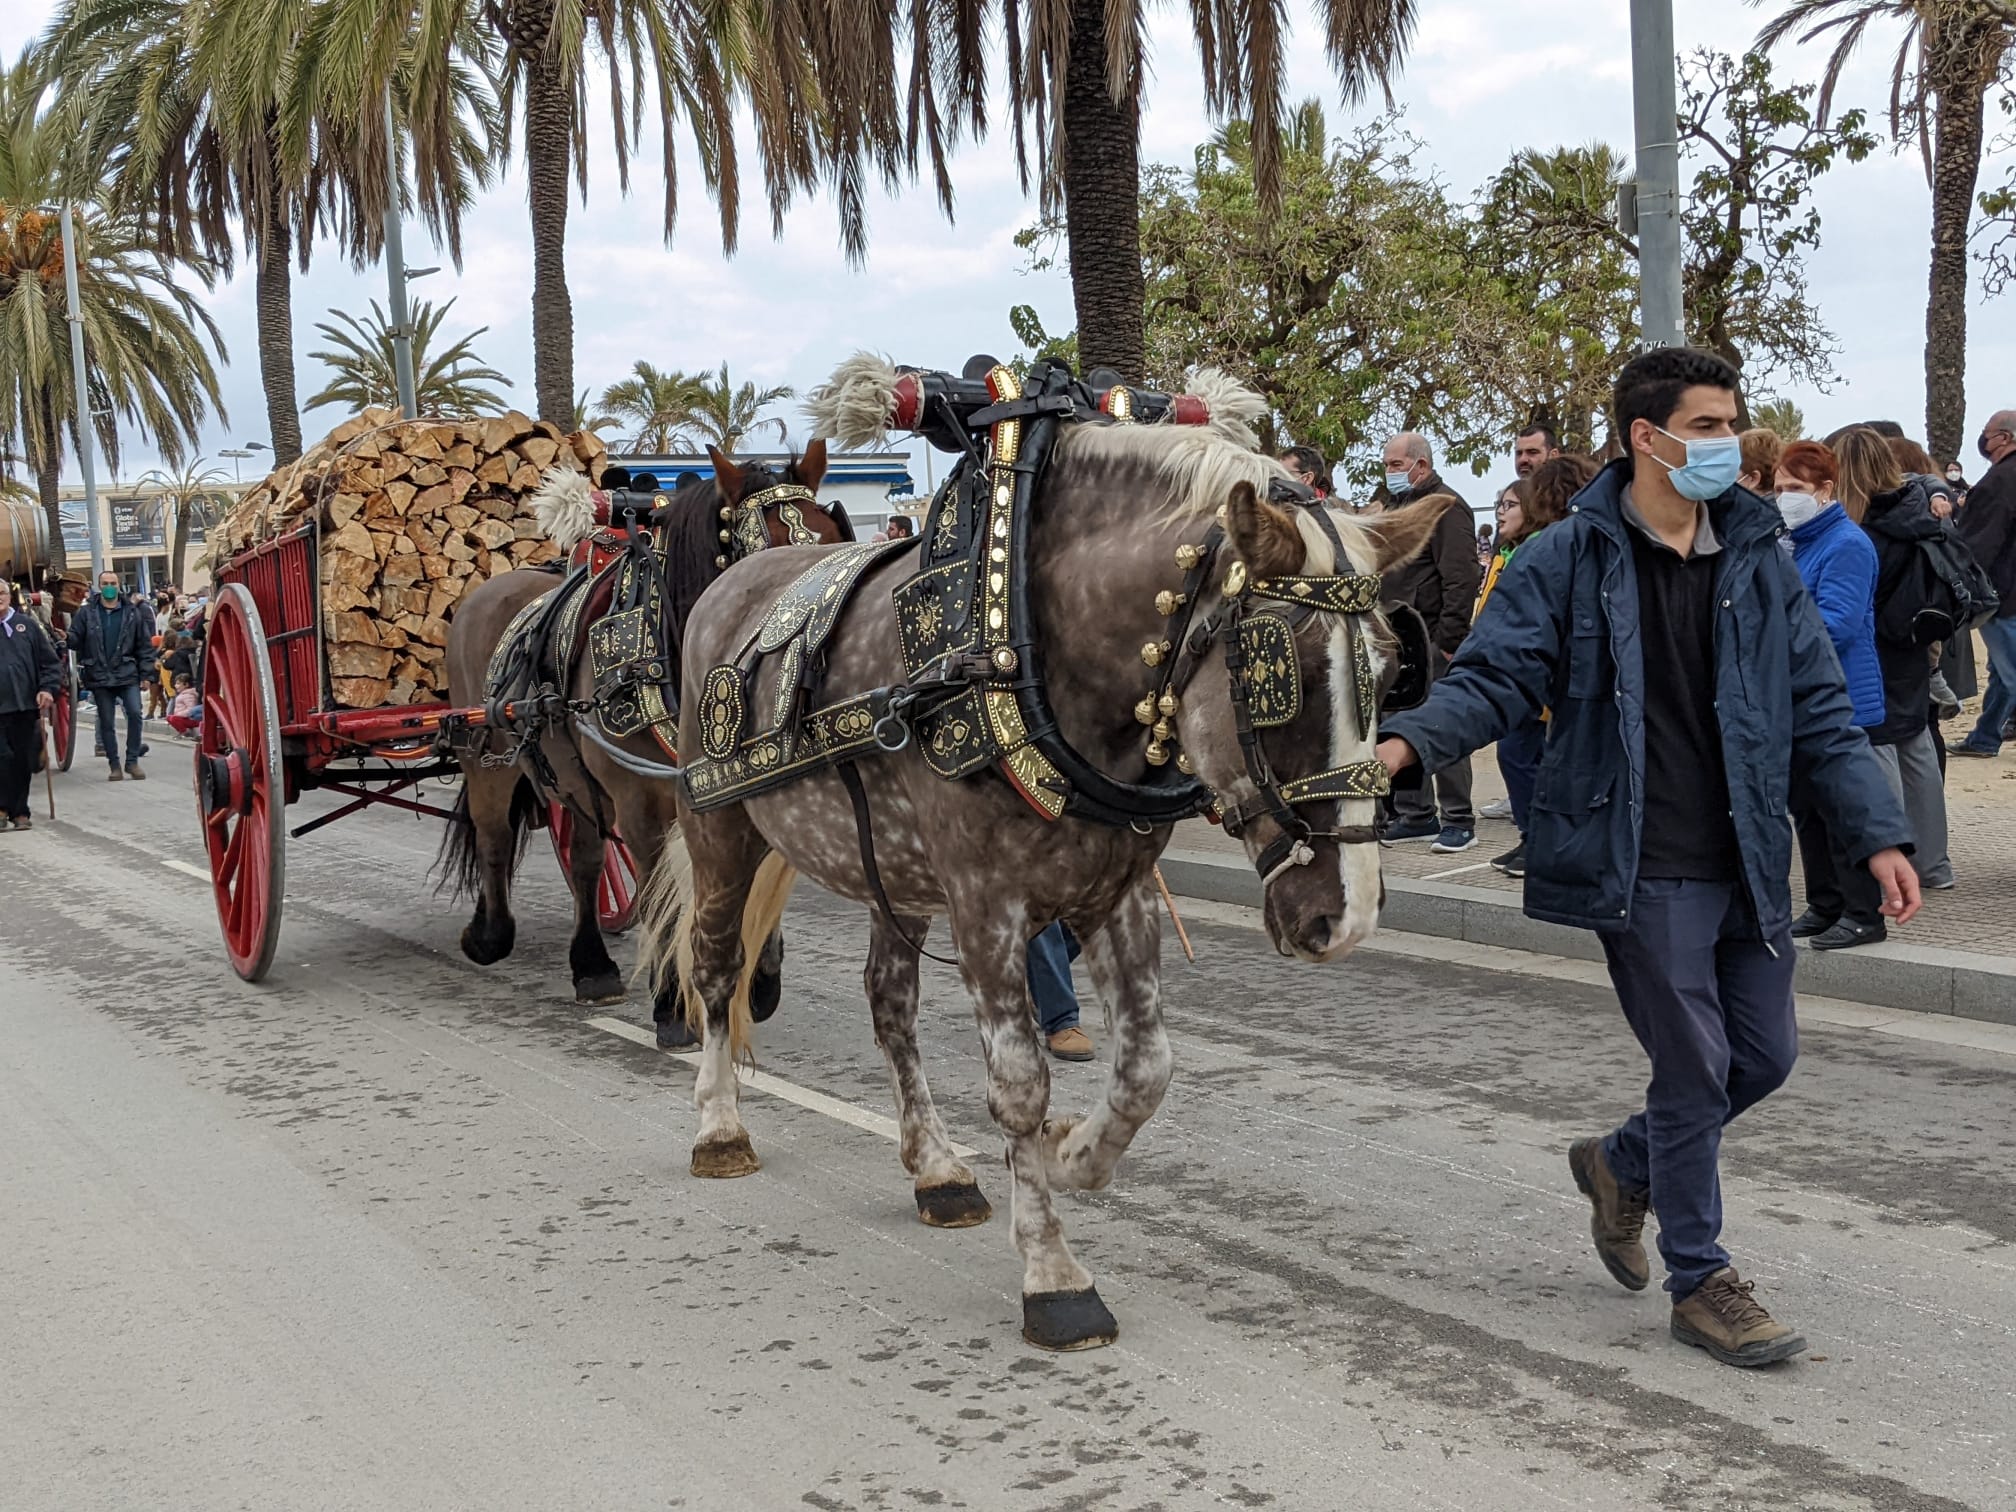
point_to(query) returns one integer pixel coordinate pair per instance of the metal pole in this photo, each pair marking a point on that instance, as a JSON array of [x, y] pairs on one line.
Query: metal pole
[[395, 271], [1657, 113], [86, 444]]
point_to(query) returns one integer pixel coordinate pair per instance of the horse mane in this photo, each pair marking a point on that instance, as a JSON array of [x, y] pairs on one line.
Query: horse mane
[[692, 540]]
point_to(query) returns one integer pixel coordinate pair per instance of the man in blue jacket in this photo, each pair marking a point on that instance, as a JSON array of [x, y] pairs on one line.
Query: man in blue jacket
[[113, 641], [1688, 673]]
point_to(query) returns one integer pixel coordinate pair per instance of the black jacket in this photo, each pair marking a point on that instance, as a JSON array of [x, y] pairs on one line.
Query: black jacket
[[1441, 582], [1988, 525], [1898, 522], [110, 656], [28, 664]]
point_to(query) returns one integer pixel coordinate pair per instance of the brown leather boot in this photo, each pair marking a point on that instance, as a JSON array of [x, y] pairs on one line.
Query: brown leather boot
[[1723, 1316], [1618, 1223]]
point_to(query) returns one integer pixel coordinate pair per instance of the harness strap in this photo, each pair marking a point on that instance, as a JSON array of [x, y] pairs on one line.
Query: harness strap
[[864, 826]]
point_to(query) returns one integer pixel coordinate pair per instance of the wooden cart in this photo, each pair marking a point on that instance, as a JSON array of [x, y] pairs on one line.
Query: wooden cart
[[271, 732]]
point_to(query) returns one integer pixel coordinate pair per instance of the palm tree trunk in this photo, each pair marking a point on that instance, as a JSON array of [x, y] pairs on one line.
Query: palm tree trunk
[[178, 541], [274, 244], [1956, 168], [1102, 202], [47, 459], [549, 120]]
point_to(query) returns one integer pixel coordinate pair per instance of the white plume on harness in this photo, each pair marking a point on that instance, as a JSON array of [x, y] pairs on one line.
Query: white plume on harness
[[564, 506]]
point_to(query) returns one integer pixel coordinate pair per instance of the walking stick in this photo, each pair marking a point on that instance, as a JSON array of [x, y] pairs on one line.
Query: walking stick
[[48, 759], [1182, 934]]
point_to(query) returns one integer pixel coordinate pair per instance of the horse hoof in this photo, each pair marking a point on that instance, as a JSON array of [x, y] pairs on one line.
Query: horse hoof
[[674, 1035], [722, 1159], [606, 988], [486, 949], [1062, 1321], [953, 1205], [766, 991]]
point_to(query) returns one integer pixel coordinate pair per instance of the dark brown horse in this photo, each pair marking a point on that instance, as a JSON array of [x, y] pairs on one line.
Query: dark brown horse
[[1120, 516], [608, 785]]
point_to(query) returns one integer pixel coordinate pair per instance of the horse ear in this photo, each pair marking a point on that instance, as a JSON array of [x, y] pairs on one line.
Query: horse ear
[[1265, 536], [811, 467], [727, 476], [1400, 534]]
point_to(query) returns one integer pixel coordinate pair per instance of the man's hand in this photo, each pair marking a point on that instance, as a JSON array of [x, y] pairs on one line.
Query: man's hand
[[1894, 873], [1396, 756], [45, 701]]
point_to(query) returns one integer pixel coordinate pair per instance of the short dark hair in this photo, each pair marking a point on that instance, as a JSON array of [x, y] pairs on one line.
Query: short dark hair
[[1651, 384], [1538, 428], [1308, 459]]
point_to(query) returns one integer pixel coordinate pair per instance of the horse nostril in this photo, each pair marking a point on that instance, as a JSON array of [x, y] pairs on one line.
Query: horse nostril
[[1322, 933]]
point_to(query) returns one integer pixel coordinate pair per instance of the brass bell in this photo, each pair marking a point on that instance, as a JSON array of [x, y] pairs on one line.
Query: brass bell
[[1164, 730], [726, 538], [1187, 557], [1183, 765], [1154, 651], [1168, 602], [727, 511], [1144, 711], [1168, 703], [1235, 580], [1157, 753], [720, 561]]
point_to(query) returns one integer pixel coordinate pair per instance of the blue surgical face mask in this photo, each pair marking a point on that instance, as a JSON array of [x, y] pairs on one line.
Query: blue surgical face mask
[[1398, 483], [1713, 465]]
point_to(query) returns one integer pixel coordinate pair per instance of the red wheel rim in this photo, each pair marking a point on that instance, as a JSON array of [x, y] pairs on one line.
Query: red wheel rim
[[63, 727], [237, 783], [616, 891]]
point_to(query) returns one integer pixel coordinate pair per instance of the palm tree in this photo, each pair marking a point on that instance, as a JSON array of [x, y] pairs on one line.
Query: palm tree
[[186, 105], [658, 404], [1949, 56], [365, 373], [722, 414], [183, 500], [144, 335], [1781, 417]]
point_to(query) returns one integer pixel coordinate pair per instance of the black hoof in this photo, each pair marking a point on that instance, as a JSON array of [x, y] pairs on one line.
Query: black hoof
[[606, 987], [486, 948], [1067, 1320], [766, 991], [955, 1205], [674, 1035]]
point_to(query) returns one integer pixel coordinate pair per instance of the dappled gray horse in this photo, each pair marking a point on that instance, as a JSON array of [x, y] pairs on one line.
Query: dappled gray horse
[[1129, 521]]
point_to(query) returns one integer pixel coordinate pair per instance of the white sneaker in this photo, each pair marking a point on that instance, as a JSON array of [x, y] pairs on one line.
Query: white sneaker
[[1499, 808]]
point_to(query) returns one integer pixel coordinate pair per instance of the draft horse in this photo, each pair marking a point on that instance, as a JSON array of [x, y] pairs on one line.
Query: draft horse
[[607, 784], [1129, 524]]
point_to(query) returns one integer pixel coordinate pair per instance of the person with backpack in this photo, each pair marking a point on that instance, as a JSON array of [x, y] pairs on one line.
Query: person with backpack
[[1915, 606]]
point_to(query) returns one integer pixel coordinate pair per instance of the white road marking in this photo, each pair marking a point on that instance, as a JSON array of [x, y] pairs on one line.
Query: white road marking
[[1455, 871], [187, 870], [776, 1086]]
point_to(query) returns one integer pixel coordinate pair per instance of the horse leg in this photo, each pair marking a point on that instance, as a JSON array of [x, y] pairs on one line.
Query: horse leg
[[596, 979], [947, 1194], [646, 831], [494, 811], [766, 990], [711, 958], [1125, 959], [1060, 1308]]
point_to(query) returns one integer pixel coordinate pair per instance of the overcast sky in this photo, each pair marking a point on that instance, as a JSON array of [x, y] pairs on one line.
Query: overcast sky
[[1483, 79]]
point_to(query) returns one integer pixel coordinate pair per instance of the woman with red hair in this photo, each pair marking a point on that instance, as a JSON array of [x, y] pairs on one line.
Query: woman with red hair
[[1837, 562]]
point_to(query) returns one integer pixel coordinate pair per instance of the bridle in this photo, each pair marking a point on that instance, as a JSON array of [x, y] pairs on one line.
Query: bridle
[[1256, 619], [744, 530]]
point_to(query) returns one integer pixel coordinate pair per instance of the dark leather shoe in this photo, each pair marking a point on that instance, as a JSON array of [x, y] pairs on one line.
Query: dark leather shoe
[[1847, 934], [1724, 1317], [1809, 924], [1618, 1221]]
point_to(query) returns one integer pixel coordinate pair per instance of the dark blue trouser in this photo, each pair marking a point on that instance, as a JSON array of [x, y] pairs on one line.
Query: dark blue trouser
[[1519, 754], [110, 701], [1714, 1012], [1050, 956]]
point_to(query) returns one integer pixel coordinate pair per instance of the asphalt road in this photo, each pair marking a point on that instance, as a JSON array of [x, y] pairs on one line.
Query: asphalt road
[[394, 1231]]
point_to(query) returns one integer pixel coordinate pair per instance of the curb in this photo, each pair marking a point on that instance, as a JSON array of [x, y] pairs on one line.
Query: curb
[[1921, 979]]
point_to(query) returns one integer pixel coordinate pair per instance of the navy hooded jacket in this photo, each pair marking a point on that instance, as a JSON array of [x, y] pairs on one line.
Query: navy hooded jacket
[[1562, 633]]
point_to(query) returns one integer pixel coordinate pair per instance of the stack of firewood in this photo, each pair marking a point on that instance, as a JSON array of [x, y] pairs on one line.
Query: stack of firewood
[[412, 515]]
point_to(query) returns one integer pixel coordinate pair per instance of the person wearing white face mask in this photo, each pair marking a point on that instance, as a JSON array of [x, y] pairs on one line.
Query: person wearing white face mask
[[1837, 563]]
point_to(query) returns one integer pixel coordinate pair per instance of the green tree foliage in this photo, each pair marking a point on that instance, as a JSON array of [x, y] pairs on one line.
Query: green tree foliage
[[650, 407], [450, 381], [1780, 416], [723, 412], [184, 499]]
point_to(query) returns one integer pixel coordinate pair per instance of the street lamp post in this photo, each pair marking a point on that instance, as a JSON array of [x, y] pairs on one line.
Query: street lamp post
[[395, 272], [1656, 191], [85, 444], [237, 454]]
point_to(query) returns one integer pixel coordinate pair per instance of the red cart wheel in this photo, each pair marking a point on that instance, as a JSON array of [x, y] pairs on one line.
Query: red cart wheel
[[239, 782], [63, 718], [616, 893]]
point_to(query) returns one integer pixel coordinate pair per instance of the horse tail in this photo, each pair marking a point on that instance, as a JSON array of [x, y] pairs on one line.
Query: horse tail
[[458, 868], [667, 936]]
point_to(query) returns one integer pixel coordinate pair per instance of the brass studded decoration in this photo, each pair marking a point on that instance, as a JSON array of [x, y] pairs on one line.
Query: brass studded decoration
[[1167, 602], [1273, 671], [812, 603], [1359, 779], [1187, 557], [629, 660], [1349, 593], [1235, 580], [765, 761], [724, 710]]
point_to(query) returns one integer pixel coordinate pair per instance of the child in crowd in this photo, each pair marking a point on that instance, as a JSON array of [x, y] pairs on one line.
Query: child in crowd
[[185, 715]]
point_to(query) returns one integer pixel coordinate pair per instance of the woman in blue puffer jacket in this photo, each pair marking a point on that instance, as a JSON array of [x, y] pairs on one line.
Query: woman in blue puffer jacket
[[1837, 562]]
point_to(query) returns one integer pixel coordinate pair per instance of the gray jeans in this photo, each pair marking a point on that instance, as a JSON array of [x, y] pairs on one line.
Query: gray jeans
[[1451, 789], [1916, 782]]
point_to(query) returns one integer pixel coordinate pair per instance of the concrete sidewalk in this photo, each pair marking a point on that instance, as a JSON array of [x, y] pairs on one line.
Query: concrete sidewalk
[[1957, 957]]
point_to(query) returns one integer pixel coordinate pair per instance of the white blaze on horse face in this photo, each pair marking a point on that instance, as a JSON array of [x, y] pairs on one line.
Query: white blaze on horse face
[[1360, 863]]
